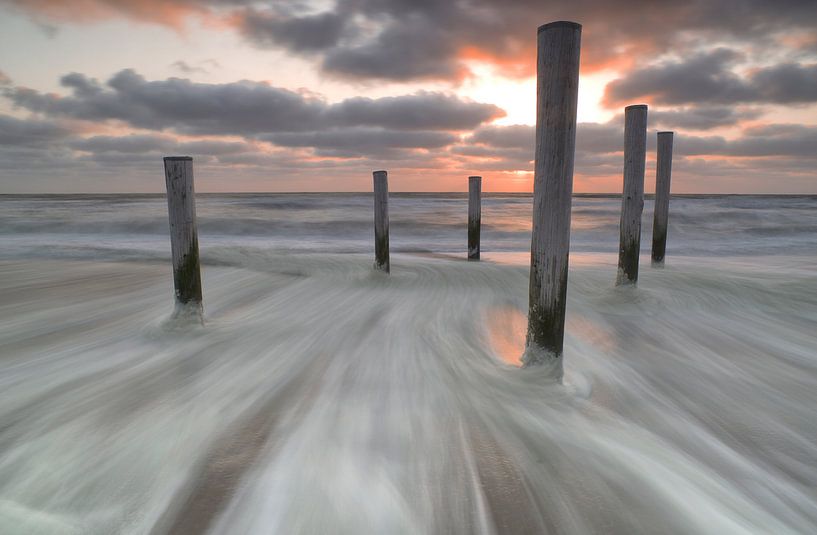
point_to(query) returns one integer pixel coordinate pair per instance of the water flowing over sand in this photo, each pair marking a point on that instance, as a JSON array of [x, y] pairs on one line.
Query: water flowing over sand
[[322, 397]]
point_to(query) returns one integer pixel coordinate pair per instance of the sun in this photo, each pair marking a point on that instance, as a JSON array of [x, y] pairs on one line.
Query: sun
[[518, 96]]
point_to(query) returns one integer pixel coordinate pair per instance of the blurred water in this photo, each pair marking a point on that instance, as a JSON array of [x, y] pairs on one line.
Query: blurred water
[[320, 397], [135, 226]]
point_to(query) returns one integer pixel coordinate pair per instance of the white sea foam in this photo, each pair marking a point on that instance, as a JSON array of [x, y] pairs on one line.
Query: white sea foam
[[320, 397]]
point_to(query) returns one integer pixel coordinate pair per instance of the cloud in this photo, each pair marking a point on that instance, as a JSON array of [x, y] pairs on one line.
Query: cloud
[[773, 140], [263, 115], [780, 149], [704, 77], [4, 79], [243, 108], [512, 147], [514, 136], [297, 34], [701, 117], [82, 86], [787, 83], [31, 133], [186, 68], [709, 78], [356, 142], [411, 40], [144, 148], [165, 12], [420, 111], [409, 49], [132, 144]]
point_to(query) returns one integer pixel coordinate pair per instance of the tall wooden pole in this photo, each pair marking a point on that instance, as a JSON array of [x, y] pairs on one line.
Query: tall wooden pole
[[663, 173], [184, 242], [632, 198], [381, 221], [474, 215], [557, 88]]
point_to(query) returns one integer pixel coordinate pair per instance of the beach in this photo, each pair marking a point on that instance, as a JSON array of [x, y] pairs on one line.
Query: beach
[[319, 396]]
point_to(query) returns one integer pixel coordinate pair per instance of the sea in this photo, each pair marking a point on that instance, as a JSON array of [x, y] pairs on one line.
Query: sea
[[319, 396]]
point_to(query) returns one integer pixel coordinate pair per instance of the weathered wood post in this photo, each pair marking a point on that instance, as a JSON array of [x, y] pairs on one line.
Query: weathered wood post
[[184, 242], [663, 173], [381, 221], [632, 197], [557, 89], [474, 215]]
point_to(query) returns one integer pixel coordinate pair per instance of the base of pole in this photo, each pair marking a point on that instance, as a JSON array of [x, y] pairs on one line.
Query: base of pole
[[186, 314], [543, 360], [623, 280]]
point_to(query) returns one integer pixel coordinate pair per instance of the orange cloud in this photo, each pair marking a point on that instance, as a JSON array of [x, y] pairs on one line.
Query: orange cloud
[[170, 13]]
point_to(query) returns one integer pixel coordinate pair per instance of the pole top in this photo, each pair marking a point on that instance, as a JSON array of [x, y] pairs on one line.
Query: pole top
[[379, 172], [667, 133], [636, 107], [178, 158], [474, 176], [560, 24]]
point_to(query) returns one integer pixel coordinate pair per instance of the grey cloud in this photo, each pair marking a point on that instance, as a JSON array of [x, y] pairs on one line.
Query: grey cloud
[[298, 34], [787, 83], [354, 128], [186, 68], [777, 140], [514, 136], [599, 138], [216, 148], [132, 144], [30, 133], [408, 39], [708, 78], [243, 108], [158, 144], [423, 110], [702, 78], [513, 146], [414, 48], [81, 85], [353, 142], [404, 39], [499, 147], [701, 117], [4, 79], [397, 40], [590, 137], [599, 146]]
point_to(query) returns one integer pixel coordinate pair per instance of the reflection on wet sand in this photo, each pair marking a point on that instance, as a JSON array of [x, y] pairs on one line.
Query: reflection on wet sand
[[506, 327]]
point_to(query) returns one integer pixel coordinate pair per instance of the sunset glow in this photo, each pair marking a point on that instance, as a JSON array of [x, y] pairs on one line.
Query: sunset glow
[[432, 267], [315, 96]]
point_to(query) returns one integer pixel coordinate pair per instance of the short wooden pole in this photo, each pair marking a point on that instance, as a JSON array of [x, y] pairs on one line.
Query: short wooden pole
[[381, 221], [557, 86], [663, 173], [632, 198], [474, 215], [184, 243]]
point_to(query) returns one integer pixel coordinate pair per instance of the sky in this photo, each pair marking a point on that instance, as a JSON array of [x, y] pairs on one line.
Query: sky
[[313, 95]]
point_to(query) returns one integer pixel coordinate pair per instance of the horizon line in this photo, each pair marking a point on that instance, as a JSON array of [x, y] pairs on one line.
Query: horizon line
[[530, 193]]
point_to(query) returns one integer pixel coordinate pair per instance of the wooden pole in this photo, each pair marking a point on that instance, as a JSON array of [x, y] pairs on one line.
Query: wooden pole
[[474, 215], [184, 243], [557, 87], [381, 221], [632, 198], [663, 173]]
